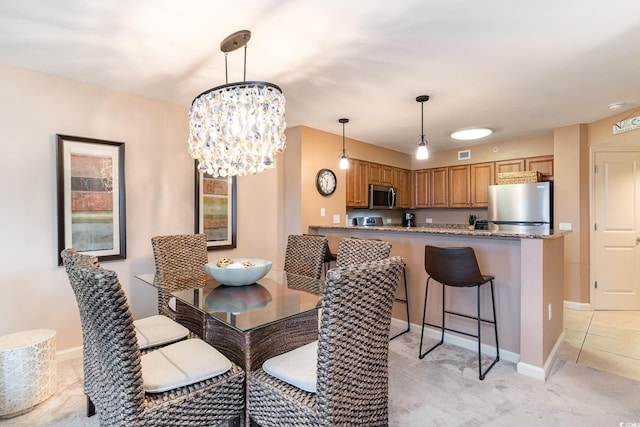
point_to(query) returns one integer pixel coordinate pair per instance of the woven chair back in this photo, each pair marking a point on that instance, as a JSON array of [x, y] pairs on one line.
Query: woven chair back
[[353, 345], [180, 252], [174, 253], [115, 384], [305, 254], [452, 266], [356, 251]]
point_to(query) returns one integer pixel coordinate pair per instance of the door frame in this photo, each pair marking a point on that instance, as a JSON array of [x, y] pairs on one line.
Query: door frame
[[592, 210]]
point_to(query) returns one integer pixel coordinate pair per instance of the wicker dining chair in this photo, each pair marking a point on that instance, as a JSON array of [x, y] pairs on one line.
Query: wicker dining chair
[[185, 252], [305, 254], [151, 331], [349, 371], [130, 389], [355, 251]]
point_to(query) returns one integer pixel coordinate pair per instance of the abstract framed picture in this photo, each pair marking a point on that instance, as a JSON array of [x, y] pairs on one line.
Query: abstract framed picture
[[215, 210], [91, 197]]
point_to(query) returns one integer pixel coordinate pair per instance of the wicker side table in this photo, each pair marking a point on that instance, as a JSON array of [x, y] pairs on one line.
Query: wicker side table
[[27, 370]]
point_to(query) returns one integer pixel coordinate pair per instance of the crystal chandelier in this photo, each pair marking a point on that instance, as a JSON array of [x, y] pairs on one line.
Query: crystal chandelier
[[237, 128], [423, 152]]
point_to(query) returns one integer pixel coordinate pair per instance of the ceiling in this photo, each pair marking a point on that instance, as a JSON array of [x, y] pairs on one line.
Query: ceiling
[[520, 68]]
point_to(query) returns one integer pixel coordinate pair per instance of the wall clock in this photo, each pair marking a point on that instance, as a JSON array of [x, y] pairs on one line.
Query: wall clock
[[326, 182]]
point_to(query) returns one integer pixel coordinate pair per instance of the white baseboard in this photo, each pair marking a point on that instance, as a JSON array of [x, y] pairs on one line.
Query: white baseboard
[[536, 371], [68, 354], [583, 306], [463, 342]]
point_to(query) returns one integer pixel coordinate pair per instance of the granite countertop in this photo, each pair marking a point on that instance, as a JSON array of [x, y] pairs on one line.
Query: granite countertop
[[450, 229]]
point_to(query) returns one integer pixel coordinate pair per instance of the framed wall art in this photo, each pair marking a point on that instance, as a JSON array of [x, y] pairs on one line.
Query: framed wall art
[[215, 210], [91, 197]]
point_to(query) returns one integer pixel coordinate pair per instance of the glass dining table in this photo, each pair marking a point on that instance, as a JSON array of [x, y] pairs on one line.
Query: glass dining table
[[248, 324]]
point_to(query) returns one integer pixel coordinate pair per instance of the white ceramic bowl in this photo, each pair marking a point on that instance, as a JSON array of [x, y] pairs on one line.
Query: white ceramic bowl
[[237, 274]]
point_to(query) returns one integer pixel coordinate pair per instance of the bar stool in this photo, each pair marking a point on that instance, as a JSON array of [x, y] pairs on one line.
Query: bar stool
[[457, 267]]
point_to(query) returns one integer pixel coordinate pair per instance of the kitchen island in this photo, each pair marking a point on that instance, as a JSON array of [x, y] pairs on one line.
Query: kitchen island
[[529, 282]]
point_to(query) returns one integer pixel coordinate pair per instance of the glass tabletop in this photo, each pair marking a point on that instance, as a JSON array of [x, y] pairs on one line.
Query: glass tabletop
[[275, 297]]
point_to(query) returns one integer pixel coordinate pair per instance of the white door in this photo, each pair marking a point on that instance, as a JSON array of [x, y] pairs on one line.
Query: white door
[[617, 230]]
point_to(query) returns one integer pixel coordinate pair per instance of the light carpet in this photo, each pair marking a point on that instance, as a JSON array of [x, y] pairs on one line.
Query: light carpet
[[441, 390]]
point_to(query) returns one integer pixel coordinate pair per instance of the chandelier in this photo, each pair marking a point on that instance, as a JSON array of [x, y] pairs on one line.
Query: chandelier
[[237, 128], [423, 152]]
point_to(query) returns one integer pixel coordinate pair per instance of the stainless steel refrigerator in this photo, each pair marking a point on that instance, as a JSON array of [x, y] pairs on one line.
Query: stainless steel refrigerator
[[521, 208]]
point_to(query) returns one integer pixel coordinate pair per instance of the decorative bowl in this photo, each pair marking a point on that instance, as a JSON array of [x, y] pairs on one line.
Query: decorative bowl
[[236, 274]]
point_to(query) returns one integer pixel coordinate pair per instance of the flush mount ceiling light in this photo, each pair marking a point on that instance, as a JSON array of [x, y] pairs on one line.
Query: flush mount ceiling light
[[423, 152], [471, 133], [344, 160], [237, 128]]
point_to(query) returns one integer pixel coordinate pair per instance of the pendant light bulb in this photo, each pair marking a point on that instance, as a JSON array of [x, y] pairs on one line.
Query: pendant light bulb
[[423, 152], [344, 160]]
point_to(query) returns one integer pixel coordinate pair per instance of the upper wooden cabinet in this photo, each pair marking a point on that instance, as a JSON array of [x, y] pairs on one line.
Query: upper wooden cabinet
[[468, 185], [357, 184], [459, 186], [542, 164], [515, 165], [402, 182], [482, 176], [380, 174], [430, 188]]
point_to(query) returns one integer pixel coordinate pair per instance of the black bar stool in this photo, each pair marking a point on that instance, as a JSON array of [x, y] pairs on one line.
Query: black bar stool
[[457, 267]]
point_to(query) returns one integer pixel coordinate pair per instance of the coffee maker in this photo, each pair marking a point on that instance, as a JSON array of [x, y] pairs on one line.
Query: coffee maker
[[409, 219]]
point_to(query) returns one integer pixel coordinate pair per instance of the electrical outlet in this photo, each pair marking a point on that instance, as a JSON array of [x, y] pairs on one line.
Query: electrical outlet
[[336, 219], [549, 310], [322, 212], [388, 220], [429, 220], [565, 226]]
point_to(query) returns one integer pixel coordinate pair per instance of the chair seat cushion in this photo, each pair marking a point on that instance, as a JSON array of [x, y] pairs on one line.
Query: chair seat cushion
[[158, 330], [297, 367], [180, 364]]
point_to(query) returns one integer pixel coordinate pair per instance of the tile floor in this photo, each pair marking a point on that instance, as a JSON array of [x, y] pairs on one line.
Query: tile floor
[[604, 340]]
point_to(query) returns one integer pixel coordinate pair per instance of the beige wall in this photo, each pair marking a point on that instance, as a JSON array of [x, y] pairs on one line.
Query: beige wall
[[527, 147], [159, 179]]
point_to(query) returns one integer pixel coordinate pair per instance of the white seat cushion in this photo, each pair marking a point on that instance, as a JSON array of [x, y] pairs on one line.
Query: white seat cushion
[[180, 364], [158, 330], [297, 367]]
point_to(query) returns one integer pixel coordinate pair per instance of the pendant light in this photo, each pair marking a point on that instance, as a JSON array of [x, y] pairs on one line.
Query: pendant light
[[423, 152], [237, 128], [344, 160]]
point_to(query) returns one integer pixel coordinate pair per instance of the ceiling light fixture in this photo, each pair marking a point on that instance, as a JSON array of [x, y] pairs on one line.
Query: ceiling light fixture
[[237, 128], [469, 134], [423, 152], [344, 160]]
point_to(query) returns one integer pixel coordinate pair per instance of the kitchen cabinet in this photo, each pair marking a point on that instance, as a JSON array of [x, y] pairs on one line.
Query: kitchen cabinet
[[542, 164], [402, 182], [439, 187], [514, 165], [420, 188], [468, 185], [482, 176], [380, 174], [459, 186], [430, 188], [357, 184]]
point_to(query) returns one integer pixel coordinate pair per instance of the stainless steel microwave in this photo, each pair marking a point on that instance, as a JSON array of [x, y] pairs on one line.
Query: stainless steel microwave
[[382, 197]]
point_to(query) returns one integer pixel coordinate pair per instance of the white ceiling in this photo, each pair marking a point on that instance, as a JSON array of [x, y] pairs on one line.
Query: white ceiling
[[521, 68]]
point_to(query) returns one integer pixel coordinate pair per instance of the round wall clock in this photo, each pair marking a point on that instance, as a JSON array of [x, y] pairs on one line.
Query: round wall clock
[[326, 182]]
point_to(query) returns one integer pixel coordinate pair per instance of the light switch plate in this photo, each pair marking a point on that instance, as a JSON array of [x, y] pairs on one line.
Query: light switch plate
[[565, 226], [321, 211], [336, 219]]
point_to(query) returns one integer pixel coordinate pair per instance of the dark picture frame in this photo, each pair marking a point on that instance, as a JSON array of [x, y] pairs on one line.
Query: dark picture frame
[[215, 210], [91, 197]]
